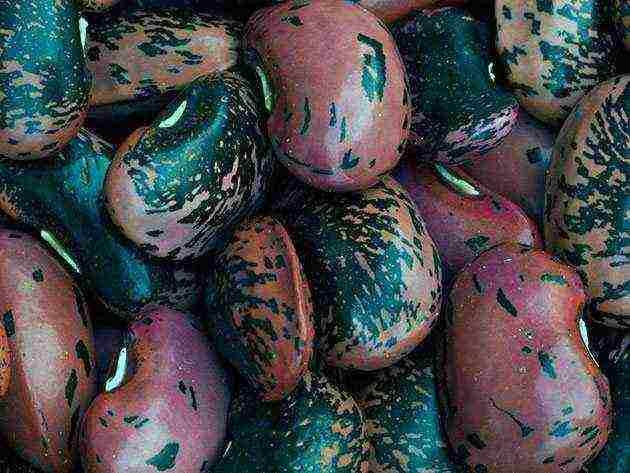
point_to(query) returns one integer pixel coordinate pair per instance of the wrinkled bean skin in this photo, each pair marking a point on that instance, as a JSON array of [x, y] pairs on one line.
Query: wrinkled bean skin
[[400, 407], [318, 428], [143, 53], [340, 121], [521, 387], [374, 271], [459, 112], [170, 411], [64, 197], [613, 349], [5, 361], [259, 308], [461, 224], [516, 168], [553, 52], [179, 187], [587, 210], [53, 377], [44, 83]]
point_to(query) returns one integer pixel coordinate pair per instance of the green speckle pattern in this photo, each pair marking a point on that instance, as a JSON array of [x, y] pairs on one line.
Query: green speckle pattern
[[401, 410], [44, 81], [141, 53], [373, 269], [316, 429], [259, 308], [196, 177], [567, 42], [460, 112], [64, 196], [587, 210]]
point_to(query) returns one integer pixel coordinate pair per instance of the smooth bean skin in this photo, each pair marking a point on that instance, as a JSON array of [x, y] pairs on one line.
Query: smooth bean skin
[[337, 121], [521, 387]]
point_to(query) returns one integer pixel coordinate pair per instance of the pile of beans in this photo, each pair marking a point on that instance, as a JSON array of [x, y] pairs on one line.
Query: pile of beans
[[315, 236]]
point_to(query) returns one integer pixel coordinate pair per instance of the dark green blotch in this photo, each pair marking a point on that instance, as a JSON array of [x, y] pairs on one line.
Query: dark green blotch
[[534, 155], [554, 279], [141, 423], [9, 323], [38, 275], [293, 20], [545, 6], [476, 441], [546, 362], [562, 429], [74, 422], [307, 117], [478, 286], [193, 398], [374, 74], [81, 307], [343, 131], [462, 452], [477, 243], [71, 386], [506, 304], [349, 160], [83, 354], [165, 459]]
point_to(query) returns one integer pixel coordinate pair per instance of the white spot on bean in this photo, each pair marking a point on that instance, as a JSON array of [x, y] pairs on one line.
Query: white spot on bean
[[83, 26], [119, 374], [175, 116]]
